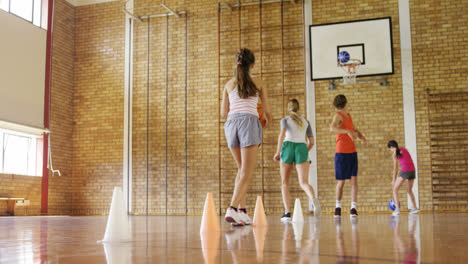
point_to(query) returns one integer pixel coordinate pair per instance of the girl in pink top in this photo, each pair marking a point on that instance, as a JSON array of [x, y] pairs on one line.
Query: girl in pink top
[[408, 172]]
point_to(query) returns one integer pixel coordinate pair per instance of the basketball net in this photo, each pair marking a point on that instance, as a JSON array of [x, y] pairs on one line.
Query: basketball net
[[350, 69]]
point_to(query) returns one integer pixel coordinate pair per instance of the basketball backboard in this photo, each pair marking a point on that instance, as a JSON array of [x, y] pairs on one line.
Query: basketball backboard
[[369, 41]]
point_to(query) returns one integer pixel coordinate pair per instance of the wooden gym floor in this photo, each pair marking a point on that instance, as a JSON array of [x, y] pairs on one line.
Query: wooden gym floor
[[373, 238]]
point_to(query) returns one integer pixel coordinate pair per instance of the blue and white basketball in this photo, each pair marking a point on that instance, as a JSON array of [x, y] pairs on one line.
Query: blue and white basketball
[[343, 56], [392, 205]]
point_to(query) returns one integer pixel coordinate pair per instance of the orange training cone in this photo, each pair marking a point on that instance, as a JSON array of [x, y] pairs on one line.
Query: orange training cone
[[210, 245], [210, 221], [259, 215], [259, 236]]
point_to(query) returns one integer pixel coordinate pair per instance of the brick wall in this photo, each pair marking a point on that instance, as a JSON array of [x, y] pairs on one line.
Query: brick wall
[[439, 30], [97, 106], [97, 109], [19, 186], [377, 111], [61, 114]]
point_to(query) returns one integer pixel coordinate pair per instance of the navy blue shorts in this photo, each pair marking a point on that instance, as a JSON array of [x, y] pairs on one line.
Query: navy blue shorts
[[346, 165]]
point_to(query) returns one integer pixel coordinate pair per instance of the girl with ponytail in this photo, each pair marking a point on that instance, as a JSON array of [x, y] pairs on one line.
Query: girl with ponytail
[[408, 172], [243, 129], [294, 143]]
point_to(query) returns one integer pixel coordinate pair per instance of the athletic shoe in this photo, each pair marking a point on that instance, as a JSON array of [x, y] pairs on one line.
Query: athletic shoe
[[353, 212], [286, 217], [414, 211], [244, 217], [317, 208], [338, 212], [396, 212], [233, 217]]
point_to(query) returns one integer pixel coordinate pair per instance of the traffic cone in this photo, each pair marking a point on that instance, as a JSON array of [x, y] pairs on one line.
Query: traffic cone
[[118, 253], [210, 220], [298, 229], [297, 216], [118, 227], [260, 236], [259, 215], [210, 245]]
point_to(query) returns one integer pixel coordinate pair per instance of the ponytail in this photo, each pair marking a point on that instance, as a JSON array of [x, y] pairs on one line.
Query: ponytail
[[293, 107], [245, 85], [393, 143]]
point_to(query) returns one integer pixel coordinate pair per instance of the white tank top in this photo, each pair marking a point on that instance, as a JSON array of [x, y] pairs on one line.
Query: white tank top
[[239, 105]]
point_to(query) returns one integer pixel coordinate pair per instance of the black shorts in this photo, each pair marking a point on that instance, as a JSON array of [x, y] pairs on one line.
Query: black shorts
[[408, 175]]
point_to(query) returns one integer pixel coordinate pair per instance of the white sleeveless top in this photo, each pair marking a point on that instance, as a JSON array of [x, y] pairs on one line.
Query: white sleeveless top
[[239, 105]]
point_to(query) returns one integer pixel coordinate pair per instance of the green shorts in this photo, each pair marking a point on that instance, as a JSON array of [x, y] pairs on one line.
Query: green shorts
[[294, 152]]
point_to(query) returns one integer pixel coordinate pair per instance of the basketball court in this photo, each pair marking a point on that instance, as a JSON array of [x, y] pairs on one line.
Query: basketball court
[[113, 146]]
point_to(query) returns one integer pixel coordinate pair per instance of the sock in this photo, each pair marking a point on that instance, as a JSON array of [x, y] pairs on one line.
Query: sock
[[338, 204], [353, 205], [243, 210], [235, 209]]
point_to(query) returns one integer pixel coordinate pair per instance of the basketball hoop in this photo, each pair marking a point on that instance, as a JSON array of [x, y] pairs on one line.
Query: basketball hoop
[[350, 69]]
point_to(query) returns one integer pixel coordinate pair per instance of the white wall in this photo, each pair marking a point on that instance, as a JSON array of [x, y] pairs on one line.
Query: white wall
[[22, 71]]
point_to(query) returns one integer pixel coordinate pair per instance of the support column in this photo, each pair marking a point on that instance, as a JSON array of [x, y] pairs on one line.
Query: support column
[[45, 149], [408, 89], [310, 96], [128, 91]]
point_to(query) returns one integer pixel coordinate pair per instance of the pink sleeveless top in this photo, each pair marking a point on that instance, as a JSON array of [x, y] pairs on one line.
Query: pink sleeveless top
[[239, 105], [406, 161]]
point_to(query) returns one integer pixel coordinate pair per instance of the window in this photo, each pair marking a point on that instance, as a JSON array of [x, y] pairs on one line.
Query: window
[[20, 153], [30, 10], [5, 5]]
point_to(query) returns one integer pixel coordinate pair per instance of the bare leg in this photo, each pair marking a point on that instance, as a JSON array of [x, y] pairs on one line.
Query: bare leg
[[303, 174], [339, 189], [354, 189], [285, 170], [409, 189], [236, 154], [396, 187], [248, 161]]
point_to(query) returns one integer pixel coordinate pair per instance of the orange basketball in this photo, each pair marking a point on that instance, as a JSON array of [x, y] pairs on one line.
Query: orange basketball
[[261, 116]]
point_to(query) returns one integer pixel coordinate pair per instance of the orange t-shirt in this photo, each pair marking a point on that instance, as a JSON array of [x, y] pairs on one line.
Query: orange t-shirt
[[344, 144]]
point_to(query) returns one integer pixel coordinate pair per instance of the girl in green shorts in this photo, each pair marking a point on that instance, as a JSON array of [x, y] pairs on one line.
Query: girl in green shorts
[[294, 143]]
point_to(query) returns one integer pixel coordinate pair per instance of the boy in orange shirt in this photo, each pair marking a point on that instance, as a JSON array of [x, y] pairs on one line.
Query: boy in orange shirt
[[346, 160]]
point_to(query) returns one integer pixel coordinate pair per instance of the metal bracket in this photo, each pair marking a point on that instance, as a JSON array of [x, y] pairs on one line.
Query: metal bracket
[[382, 81], [170, 10], [227, 4], [131, 15]]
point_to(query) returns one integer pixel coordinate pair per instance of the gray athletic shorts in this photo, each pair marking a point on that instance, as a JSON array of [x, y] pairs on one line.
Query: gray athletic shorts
[[407, 175], [243, 130]]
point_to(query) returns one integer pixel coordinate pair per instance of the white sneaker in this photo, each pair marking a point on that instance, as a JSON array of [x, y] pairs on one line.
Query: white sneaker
[[317, 208], [414, 211], [396, 212], [244, 217], [233, 217], [231, 237]]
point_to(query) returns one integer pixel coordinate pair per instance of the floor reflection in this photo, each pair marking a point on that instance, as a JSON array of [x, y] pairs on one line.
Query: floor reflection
[[425, 238], [343, 256], [406, 251]]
